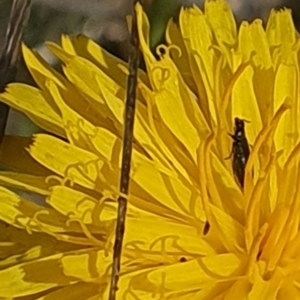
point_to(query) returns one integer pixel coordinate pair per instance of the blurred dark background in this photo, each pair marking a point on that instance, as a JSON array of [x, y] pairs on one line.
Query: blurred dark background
[[105, 22]]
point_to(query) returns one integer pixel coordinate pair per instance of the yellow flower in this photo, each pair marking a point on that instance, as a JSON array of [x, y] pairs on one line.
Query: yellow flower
[[192, 231]]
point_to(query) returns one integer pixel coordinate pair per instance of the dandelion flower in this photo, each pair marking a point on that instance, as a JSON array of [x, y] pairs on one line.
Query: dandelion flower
[[194, 230]]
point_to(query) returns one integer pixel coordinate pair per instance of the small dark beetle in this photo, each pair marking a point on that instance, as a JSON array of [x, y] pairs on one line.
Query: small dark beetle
[[240, 150]]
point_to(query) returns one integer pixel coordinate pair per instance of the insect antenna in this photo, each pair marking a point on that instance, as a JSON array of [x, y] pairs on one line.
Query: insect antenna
[[133, 64]]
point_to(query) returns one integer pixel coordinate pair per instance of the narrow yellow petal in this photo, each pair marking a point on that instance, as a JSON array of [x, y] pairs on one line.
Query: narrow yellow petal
[[32, 102], [266, 289], [76, 65], [230, 231], [80, 205], [25, 182], [193, 21], [282, 35], [13, 282], [32, 217], [224, 27], [39, 69], [62, 270], [180, 55], [88, 49], [253, 43], [78, 291], [66, 160], [244, 104], [285, 88], [90, 265], [173, 193]]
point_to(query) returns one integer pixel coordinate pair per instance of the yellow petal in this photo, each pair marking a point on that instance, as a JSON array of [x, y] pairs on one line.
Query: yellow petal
[[266, 289], [182, 280], [175, 194], [224, 27], [78, 291], [66, 160], [180, 55], [88, 49], [32, 217], [39, 69], [25, 182], [281, 35], [62, 270], [32, 102], [244, 104], [193, 21], [285, 88]]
